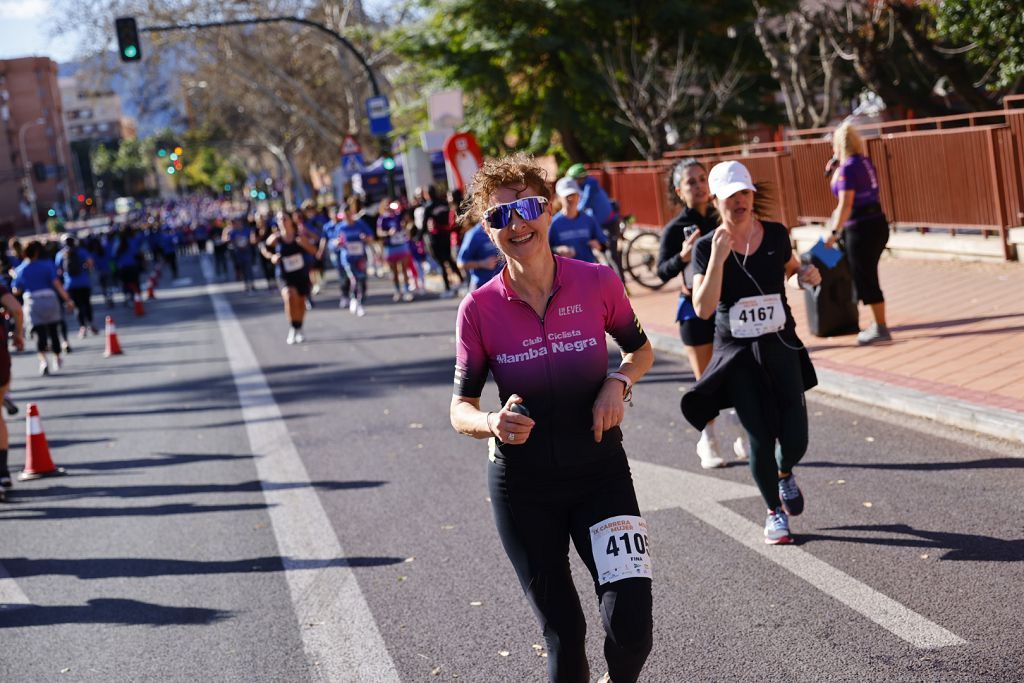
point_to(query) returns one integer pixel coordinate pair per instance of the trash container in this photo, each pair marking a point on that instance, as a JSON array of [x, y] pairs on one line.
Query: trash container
[[831, 306]]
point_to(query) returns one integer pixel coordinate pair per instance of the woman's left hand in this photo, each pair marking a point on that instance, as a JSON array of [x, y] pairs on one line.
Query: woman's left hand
[[809, 275], [608, 408]]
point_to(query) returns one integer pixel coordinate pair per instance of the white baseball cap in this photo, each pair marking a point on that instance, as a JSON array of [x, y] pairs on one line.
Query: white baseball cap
[[566, 186], [728, 178]]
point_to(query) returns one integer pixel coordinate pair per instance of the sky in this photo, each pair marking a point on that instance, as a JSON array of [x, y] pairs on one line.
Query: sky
[[24, 32]]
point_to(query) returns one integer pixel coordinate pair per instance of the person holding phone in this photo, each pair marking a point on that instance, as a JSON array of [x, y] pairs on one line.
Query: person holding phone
[[759, 366], [689, 182], [557, 471]]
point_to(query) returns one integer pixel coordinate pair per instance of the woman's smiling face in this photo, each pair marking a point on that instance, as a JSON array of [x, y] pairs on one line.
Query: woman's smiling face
[[520, 239]]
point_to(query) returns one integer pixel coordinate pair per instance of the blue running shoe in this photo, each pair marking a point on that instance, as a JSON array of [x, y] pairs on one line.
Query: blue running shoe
[[792, 497], [776, 528]]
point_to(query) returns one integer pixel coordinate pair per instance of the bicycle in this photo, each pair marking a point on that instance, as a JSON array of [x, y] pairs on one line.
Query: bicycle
[[640, 255]]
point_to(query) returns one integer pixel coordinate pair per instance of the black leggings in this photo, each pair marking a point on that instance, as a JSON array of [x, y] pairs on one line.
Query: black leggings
[[536, 517], [47, 337], [614, 232], [766, 459], [82, 296], [865, 242], [441, 250]]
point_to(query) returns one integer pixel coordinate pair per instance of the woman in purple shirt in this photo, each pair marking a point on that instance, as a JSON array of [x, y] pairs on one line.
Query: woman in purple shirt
[[557, 470], [859, 219]]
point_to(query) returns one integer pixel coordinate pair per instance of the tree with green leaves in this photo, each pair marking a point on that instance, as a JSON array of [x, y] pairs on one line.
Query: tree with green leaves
[[991, 33], [559, 76]]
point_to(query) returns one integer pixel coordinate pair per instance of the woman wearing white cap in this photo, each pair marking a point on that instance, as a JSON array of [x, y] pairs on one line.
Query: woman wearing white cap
[[759, 365]]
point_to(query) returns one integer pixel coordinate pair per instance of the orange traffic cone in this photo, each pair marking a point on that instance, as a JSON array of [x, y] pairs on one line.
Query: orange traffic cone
[[38, 462], [149, 288], [140, 310], [113, 346]]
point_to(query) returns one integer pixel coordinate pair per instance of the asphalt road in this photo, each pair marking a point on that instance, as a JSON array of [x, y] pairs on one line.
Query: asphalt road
[[237, 509]]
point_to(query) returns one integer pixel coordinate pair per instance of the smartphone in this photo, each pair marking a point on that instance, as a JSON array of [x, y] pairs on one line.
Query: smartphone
[[689, 230]]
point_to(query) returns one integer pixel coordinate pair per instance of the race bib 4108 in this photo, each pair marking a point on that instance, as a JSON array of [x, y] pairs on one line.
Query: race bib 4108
[[621, 549]]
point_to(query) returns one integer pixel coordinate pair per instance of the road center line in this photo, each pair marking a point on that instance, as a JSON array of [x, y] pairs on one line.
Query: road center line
[[660, 487], [339, 634]]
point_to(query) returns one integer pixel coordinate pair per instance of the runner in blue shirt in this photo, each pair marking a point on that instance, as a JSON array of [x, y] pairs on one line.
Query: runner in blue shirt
[[75, 264], [240, 239], [479, 256], [595, 201], [574, 234], [37, 281], [354, 237]]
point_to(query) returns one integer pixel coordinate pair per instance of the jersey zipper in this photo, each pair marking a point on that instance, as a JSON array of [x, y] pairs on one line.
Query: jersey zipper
[[547, 366]]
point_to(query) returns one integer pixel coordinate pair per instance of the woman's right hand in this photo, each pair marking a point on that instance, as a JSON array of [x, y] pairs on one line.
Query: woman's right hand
[[721, 245], [510, 427]]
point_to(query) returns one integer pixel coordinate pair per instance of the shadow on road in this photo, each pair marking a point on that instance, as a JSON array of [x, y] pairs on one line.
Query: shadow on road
[[146, 491], [109, 611], [159, 460], [128, 567], [986, 464], [961, 547], [26, 514]]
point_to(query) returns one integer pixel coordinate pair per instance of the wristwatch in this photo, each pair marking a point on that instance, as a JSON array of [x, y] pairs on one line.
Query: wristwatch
[[628, 393]]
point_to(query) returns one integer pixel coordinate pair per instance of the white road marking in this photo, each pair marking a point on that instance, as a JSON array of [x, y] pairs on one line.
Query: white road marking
[[11, 595], [339, 634], [659, 487]]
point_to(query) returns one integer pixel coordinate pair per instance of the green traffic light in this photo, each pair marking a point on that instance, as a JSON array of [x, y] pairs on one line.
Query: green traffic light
[[161, 152], [389, 163], [253, 193], [170, 170], [263, 195], [227, 187], [51, 213], [130, 51]]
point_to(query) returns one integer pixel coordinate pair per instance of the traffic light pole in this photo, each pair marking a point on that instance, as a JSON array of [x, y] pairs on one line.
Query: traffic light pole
[[382, 140]]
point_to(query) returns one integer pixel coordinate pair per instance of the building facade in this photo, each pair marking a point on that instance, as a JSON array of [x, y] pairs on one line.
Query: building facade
[[34, 152]]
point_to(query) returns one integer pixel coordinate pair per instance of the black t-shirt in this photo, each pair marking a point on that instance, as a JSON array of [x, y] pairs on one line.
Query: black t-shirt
[[435, 217], [767, 265]]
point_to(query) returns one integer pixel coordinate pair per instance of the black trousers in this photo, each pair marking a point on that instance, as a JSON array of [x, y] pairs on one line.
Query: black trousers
[[441, 250], [82, 296], [536, 517], [865, 242]]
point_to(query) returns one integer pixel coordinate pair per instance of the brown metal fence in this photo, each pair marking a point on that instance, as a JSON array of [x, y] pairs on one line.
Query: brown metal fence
[[956, 173]]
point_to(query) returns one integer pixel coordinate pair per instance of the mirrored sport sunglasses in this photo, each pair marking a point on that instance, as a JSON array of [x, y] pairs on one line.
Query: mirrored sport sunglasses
[[528, 208]]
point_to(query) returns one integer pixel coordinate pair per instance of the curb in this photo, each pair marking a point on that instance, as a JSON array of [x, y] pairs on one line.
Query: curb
[[990, 421]]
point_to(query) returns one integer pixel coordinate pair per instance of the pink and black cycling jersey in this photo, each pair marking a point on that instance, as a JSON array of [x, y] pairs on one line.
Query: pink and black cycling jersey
[[556, 362]]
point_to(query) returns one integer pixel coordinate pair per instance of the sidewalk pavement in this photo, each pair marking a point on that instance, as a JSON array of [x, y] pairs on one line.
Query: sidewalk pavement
[[957, 355]]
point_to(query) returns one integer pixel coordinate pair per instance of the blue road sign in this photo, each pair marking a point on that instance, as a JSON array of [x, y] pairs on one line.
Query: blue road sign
[[353, 163], [379, 111]]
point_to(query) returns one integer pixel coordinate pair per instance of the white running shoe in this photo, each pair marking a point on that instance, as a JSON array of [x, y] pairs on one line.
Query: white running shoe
[[343, 302], [740, 445], [707, 450], [397, 296], [291, 336], [407, 296], [359, 310], [353, 305], [776, 528], [299, 337], [316, 289]]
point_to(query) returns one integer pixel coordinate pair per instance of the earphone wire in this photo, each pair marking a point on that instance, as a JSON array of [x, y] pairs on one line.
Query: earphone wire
[[743, 266]]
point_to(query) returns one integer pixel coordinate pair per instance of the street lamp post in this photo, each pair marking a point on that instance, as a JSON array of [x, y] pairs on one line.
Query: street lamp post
[[31, 191]]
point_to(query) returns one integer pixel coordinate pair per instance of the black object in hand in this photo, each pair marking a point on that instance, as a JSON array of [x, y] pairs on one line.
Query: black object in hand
[[519, 408]]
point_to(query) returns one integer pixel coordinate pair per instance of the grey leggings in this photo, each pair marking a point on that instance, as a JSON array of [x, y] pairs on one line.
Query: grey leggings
[[768, 458]]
